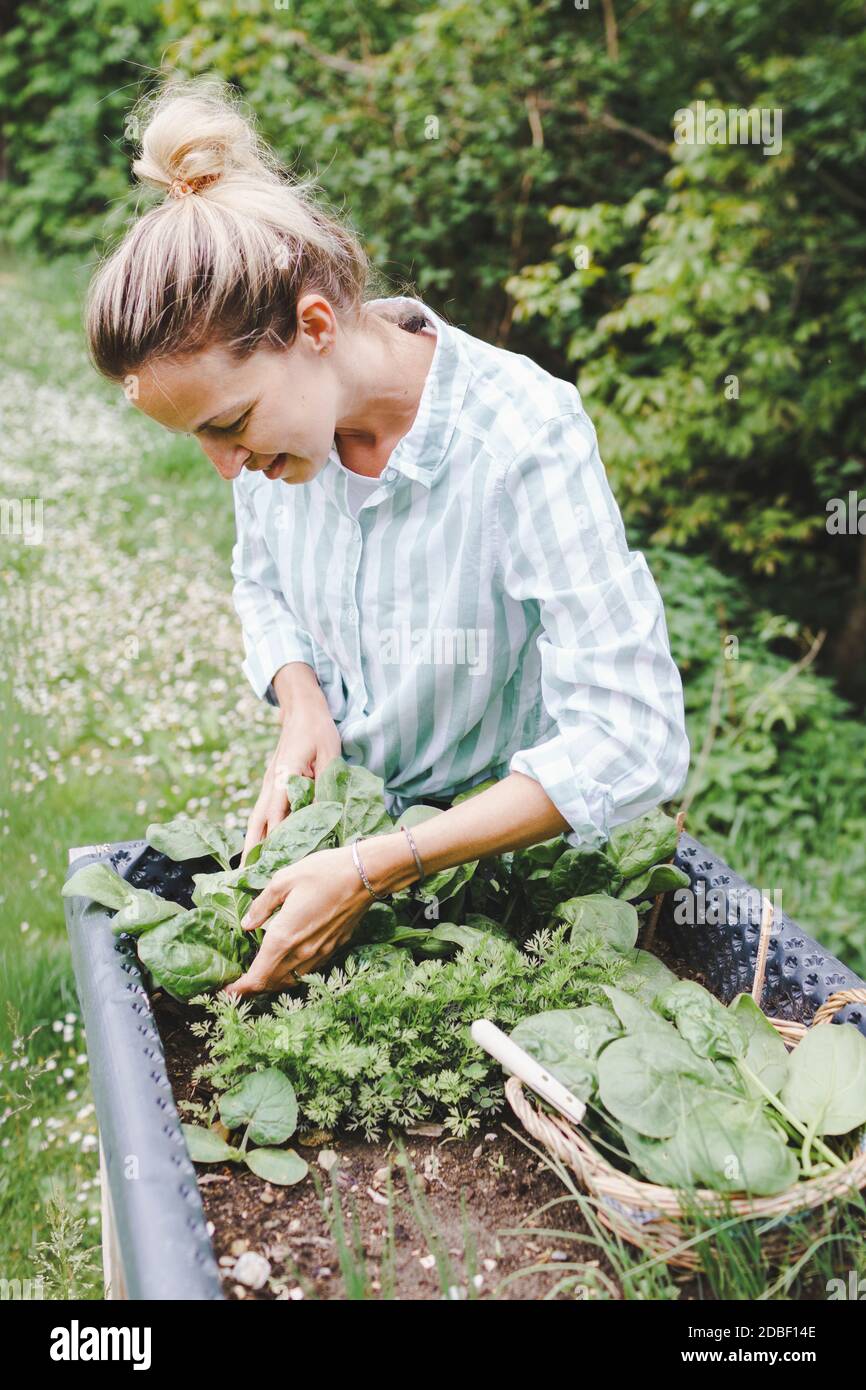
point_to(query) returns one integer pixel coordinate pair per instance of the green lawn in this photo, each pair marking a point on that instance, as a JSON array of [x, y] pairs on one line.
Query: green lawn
[[121, 702]]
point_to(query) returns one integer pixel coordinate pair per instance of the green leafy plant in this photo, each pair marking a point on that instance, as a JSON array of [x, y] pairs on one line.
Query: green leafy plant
[[702, 1094], [137, 909], [264, 1103]]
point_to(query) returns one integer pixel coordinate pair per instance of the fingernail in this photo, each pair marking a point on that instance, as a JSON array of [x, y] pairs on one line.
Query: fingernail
[[245, 922]]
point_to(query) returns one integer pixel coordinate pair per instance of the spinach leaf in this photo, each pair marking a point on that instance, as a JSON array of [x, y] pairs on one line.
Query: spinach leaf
[[193, 839], [735, 1147], [766, 1054], [381, 956], [442, 887], [598, 916], [358, 792], [661, 878], [378, 924], [642, 844], [439, 941], [138, 909], [579, 873], [635, 1015], [206, 1146], [724, 1144], [221, 895], [650, 1082], [299, 790], [193, 952], [541, 856], [265, 1101], [283, 1167], [645, 975], [298, 835], [567, 1043], [826, 1083], [708, 1027]]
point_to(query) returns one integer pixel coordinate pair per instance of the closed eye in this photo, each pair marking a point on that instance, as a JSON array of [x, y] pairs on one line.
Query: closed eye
[[234, 426]]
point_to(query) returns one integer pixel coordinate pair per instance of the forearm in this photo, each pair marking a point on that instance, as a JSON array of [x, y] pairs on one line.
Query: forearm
[[515, 813]]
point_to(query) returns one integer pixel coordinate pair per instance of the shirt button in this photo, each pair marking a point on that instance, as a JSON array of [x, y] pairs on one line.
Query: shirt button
[[351, 613], [389, 475]]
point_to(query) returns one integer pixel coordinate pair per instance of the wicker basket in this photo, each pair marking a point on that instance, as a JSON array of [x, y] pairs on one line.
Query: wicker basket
[[653, 1217]]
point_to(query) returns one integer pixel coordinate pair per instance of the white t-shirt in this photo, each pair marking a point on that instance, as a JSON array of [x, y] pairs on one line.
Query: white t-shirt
[[358, 488]]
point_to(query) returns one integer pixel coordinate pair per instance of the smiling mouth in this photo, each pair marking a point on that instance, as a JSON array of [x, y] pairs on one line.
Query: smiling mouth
[[276, 469]]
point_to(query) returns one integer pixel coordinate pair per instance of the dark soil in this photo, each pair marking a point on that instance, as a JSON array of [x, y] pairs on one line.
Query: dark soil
[[662, 948], [494, 1177]]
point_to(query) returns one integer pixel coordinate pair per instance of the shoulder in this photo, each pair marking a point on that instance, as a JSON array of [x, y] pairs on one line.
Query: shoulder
[[510, 399]]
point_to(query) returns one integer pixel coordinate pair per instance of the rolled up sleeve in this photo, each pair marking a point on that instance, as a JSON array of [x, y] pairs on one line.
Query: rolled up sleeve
[[608, 680], [272, 637]]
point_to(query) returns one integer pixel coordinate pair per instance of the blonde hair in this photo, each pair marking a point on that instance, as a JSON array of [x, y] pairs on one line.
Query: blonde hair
[[225, 264]]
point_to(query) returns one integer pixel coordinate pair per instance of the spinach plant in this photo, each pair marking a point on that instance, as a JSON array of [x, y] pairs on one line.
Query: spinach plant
[[265, 1106], [702, 1094]]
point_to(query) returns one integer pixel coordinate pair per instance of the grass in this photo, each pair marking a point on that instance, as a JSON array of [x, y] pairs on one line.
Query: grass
[[121, 701]]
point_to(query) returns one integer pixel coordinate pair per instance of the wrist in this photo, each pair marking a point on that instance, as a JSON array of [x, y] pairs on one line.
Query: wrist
[[388, 862], [296, 687]]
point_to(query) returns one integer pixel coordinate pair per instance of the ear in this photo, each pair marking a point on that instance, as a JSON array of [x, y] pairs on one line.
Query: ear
[[317, 322]]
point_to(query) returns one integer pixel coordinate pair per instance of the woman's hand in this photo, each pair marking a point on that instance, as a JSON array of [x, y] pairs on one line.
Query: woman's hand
[[321, 900], [308, 741]]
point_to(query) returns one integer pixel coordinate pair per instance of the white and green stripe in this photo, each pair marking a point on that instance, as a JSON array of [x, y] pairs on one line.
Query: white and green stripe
[[482, 613]]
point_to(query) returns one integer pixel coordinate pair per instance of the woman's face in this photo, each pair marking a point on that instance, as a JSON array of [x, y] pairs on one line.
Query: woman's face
[[275, 412]]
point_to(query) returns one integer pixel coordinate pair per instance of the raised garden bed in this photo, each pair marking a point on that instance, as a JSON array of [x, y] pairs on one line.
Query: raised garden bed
[[156, 1215]]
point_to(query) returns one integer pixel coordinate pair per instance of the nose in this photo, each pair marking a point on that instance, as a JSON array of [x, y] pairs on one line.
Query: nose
[[227, 459]]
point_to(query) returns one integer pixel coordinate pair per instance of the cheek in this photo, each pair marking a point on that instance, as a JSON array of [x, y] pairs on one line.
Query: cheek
[[298, 418]]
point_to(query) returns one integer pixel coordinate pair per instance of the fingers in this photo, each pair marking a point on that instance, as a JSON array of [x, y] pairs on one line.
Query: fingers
[[265, 905], [272, 806], [328, 749], [278, 955], [255, 832], [290, 944]]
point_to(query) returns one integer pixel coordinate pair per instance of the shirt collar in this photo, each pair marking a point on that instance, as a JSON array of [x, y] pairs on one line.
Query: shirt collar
[[420, 454]]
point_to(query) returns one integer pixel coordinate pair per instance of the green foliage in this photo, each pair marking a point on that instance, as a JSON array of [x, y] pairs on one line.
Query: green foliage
[[264, 1104], [69, 74], [826, 1083], [775, 784], [705, 1099], [380, 1042], [137, 909], [194, 839], [195, 951]]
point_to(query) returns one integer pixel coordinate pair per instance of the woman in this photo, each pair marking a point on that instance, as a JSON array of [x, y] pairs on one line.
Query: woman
[[430, 570]]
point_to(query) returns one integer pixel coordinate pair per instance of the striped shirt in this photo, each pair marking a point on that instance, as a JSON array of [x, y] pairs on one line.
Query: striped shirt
[[481, 613]]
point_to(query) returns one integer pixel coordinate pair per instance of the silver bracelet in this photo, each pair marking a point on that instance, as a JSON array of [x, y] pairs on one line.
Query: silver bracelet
[[422, 874], [356, 858]]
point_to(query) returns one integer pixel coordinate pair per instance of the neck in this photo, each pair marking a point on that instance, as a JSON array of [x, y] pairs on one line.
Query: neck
[[386, 369]]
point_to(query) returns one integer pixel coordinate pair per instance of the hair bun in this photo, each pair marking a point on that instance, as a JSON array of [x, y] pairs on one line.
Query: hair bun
[[193, 134]]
